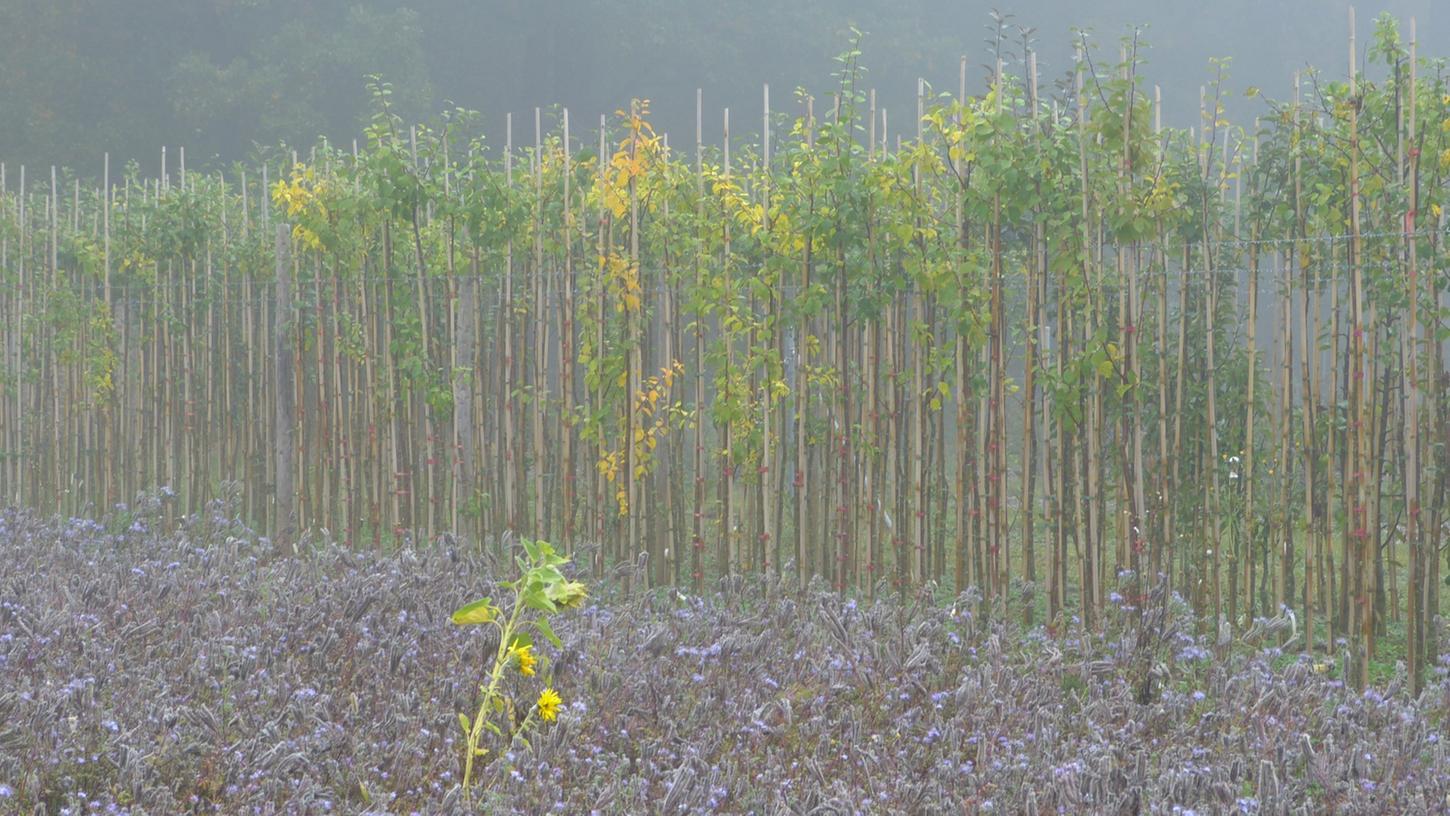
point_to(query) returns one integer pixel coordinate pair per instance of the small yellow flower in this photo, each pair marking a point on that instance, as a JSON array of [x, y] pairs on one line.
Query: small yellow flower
[[549, 701], [525, 656]]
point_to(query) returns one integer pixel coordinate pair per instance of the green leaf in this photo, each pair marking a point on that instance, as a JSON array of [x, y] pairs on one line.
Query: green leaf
[[531, 548], [548, 632], [550, 575], [480, 611], [536, 599], [463, 721]]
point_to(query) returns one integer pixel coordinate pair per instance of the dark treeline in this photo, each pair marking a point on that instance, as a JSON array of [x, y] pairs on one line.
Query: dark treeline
[[83, 77]]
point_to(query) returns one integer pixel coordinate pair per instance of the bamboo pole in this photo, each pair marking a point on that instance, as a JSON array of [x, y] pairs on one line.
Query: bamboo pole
[[539, 326], [1420, 615], [697, 573], [767, 471], [282, 387], [568, 351], [1360, 516]]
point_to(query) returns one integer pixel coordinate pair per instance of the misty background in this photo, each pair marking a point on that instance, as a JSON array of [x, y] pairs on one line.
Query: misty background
[[221, 77]]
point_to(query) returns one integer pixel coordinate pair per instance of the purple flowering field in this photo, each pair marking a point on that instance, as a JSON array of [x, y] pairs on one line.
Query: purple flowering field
[[176, 668]]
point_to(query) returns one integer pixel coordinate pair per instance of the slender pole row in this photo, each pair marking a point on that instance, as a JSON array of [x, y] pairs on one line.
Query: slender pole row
[[1038, 340]]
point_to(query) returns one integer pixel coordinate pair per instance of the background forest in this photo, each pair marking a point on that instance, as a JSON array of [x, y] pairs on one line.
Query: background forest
[[81, 77]]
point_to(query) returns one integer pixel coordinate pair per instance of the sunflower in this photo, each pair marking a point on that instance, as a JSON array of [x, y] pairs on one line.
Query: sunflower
[[525, 655], [569, 594], [549, 701]]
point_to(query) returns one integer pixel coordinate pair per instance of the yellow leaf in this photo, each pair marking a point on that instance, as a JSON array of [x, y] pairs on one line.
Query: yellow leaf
[[480, 611]]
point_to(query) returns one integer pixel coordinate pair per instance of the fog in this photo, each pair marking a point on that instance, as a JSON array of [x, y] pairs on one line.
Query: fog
[[79, 78]]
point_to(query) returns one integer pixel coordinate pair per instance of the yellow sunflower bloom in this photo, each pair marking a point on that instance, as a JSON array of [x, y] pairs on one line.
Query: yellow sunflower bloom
[[525, 656], [549, 702]]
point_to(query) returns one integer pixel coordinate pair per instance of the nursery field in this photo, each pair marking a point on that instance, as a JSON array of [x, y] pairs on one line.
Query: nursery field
[[1025, 338], [187, 668], [1015, 453]]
